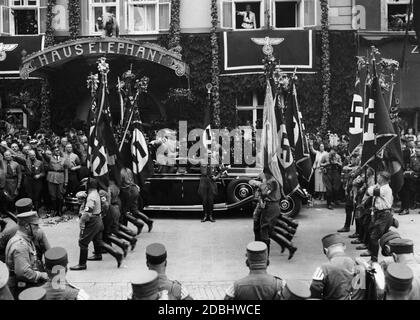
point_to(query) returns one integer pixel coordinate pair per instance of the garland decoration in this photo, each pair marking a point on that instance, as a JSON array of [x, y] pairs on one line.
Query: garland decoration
[[325, 66], [215, 70], [49, 32], [74, 18], [174, 28], [45, 106]]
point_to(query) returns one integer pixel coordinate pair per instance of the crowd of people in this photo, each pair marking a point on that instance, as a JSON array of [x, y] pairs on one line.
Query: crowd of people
[[38, 172]]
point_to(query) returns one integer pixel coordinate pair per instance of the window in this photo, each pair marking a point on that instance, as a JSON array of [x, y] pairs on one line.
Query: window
[[294, 13], [4, 17], [24, 17], [145, 16], [242, 15], [100, 10], [398, 14], [249, 109]]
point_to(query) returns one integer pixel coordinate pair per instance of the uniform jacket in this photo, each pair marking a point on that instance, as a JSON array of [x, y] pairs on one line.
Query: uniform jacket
[[258, 285], [21, 259], [334, 280], [174, 289], [33, 168], [57, 171], [8, 232], [16, 173], [69, 292]]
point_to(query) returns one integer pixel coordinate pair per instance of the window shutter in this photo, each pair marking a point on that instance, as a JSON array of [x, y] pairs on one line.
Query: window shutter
[[309, 7], [164, 15], [227, 13]]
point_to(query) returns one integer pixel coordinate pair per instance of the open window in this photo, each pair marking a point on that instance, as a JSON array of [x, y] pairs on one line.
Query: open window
[[99, 12], [26, 17], [148, 16], [294, 13], [397, 15], [249, 108], [242, 14]]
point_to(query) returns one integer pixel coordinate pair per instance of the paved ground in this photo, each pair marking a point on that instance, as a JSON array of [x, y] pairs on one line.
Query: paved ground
[[208, 257]]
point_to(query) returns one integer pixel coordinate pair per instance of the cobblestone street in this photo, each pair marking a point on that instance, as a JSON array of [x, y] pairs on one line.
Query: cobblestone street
[[207, 257]]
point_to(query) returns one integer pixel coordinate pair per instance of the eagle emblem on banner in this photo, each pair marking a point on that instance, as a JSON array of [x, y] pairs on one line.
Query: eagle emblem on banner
[[6, 47]]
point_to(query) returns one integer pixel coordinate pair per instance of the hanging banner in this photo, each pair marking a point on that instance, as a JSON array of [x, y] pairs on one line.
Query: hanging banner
[[243, 55]]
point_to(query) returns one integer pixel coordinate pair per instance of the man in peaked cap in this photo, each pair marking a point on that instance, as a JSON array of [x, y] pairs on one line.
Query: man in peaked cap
[[333, 280], [402, 251], [156, 259], [41, 241], [21, 255], [36, 293], [57, 286], [258, 285], [4, 278], [399, 280], [146, 286], [295, 290]]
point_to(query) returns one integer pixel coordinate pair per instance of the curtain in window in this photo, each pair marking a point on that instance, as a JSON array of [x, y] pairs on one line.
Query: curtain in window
[[144, 18]]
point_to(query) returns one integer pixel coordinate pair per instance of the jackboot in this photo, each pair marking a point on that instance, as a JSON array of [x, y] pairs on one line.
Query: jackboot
[[274, 236], [283, 233], [82, 261], [120, 243], [127, 230], [117, 255], [286, 243], [204, 218], [97, 256], [140, 215], [131, 239], [59, 204], [210, 218], [137, 222], [292, 223], [284, 226]]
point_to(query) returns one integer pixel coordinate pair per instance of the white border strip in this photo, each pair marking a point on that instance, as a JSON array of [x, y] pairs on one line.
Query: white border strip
[[306, 66]]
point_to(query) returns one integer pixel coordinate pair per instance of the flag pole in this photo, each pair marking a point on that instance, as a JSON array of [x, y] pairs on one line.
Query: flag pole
[[133, 107]]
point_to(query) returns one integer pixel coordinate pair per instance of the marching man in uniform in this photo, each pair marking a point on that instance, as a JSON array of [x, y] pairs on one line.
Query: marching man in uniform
[[21, 255], [156, 260]]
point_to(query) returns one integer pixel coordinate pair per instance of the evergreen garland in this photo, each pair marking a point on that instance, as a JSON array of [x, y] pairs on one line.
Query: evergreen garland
[[215, 70], [49, 32], [74, 18], [45, 106], [325, 66], [175, 29]]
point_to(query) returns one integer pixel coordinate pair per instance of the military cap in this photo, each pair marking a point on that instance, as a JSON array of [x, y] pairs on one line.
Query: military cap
[[56, 257], [156, 253], [4, 274], [36, 293], [30, 217], [401, 246], [257, 255], [296, 290], [23, 205], [146, 286], [398, 277], [332, 239], [81, 195], [385, 239]]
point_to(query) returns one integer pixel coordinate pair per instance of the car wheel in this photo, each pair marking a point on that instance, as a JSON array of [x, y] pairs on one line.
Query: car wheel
[[238, 190], [291, 205]]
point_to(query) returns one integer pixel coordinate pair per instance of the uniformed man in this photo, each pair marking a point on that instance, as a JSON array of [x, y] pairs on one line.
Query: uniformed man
[[91, 228], [265, 220], [295, 290], [334, 279], [21, 256], [146, 286], [398, 279], [73, 165], [4, 278], [8, 228], [130, 193], [258, 285], [57, 286], [57, 179], [34, 172], [402, 251], [33, 294], [381, 216], [156, 259], [13, 177]]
